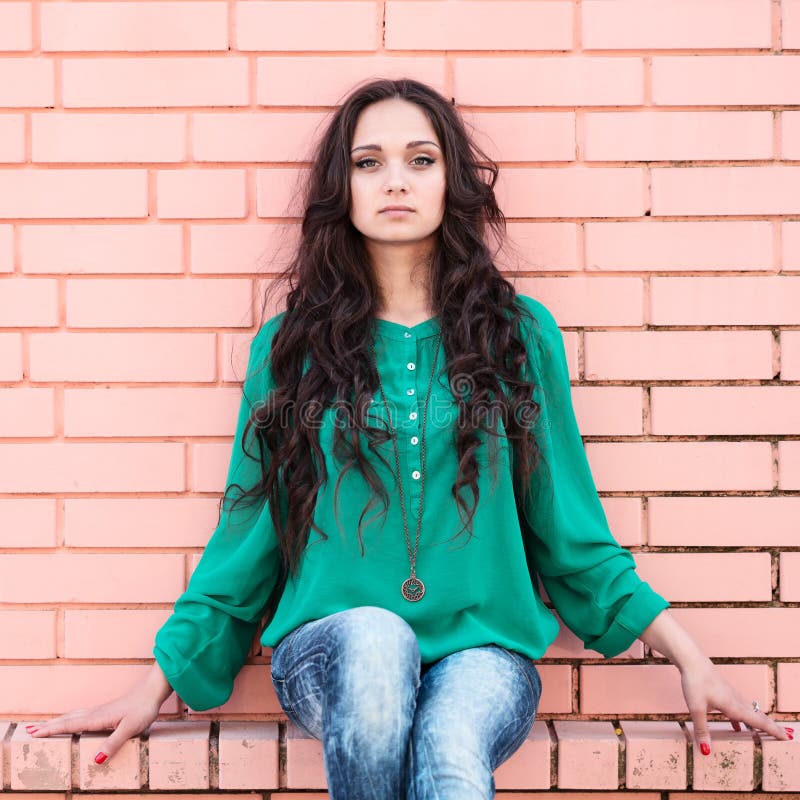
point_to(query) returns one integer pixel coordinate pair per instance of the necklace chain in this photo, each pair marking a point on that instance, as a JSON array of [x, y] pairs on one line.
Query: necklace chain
[[413, 588]]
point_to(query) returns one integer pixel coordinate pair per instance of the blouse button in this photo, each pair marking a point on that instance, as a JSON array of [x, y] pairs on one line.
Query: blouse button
[[415, 474], [414, 439], [407, 334], [411, 365], [409, 391], [412, 415]]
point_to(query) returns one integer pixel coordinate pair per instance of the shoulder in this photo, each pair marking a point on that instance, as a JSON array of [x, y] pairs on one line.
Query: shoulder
[[539, 324]]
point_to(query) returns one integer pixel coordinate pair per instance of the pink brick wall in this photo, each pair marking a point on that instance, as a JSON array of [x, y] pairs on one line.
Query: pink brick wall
[[651, 176]]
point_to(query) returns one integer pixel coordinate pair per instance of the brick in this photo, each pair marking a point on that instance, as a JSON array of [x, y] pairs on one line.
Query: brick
[[789, 465], [673, 135], [202, 193], [571, 192], [12, 135], [655, 754], [728, 80], [642, 246], [107, 26], [789, 571], [27, 522], [25, 411], [177, 411], [730, 765], [29, 302], [790, 28], [763, 300], [608, 410], [718, 631], [10, 356], [583, 300], [656, 688], [532, 81], [303, 25], [27, 634], [118, 138], [676, 24], [529, 766], [684, 577], [133, 82], [92, 467], [305, 768], [252, 691], [722, 521], [789, 689], [681, 466], [325, 80], [248, 755], [134, 302], [790, 135], [53, 689], [791, 245], [245, 248], [138, 521], [588, 755], [121, 356], [541, 246], [278, 192], [254, 136], [65, 577], [725, 410], [678, 355], [27, 82], [119, 772], [27, 755], [87, 249], [781, 762], [524, 135], [111, 634], [790, 355], [210, 462], [725, 190], [495, 25], [179, 755], [73, 193], [6, 248], [16, 26]]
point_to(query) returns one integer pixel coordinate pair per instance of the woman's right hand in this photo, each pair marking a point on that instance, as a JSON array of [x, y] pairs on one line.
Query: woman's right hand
[[126, 716]]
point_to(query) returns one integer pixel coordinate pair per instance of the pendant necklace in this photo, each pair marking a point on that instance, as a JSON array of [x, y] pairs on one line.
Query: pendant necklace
[[412, 588]]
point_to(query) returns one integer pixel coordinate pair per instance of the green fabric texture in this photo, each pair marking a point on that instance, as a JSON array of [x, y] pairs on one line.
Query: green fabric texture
[[477, 592]]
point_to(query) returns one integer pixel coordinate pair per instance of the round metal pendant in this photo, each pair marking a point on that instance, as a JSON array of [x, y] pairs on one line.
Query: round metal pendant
[[413, 589]]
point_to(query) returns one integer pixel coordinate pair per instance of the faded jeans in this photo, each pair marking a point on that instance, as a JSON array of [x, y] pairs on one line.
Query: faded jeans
[[393, 729]]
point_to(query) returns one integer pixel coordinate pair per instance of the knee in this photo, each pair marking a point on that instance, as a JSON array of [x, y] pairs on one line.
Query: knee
[[379, 636]]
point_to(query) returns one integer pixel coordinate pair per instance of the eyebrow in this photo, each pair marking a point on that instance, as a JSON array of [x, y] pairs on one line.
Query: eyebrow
[[415, 143]]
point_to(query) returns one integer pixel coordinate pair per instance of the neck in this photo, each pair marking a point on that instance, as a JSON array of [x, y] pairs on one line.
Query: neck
[[403, 275]]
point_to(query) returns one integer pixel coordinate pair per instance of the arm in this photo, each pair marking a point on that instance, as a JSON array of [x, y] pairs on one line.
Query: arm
[[204, 643], [590, 578]]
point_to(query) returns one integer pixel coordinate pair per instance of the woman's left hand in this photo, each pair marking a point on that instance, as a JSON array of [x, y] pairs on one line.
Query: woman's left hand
[[704, 688]]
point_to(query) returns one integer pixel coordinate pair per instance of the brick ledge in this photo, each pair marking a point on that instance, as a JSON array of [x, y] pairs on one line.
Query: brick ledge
[[228, 755]]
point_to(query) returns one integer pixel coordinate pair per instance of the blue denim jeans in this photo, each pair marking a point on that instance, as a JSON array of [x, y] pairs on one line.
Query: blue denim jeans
[[393, 729]]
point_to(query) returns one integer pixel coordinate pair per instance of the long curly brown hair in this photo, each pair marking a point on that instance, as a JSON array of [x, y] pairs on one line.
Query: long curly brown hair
[[320, 353]]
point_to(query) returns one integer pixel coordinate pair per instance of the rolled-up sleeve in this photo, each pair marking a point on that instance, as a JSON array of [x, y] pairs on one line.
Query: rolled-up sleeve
[[590, 578], [203, 645]]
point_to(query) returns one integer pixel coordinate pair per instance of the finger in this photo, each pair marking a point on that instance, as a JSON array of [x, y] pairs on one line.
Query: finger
[[124, 731], [76, 721], [702, 736], [758, 719]]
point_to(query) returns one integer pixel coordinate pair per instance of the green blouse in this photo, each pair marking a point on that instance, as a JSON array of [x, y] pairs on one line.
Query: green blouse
[[479, 593]]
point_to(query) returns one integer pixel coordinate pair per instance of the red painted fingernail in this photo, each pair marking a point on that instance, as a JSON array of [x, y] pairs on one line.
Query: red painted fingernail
[[791, 730], [704, 749], [28, 727], [100, 758], [790, 736]]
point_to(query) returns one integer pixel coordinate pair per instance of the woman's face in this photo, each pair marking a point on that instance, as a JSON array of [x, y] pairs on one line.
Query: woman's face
[[385, 171]]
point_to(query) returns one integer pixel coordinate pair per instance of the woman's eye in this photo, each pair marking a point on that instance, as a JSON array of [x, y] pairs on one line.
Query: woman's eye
[[363, 162]]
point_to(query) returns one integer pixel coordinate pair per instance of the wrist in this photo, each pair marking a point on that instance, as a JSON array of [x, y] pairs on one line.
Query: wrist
[[156, 686]]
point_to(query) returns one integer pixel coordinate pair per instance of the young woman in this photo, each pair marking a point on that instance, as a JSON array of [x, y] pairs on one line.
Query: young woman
[[405, 372]]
